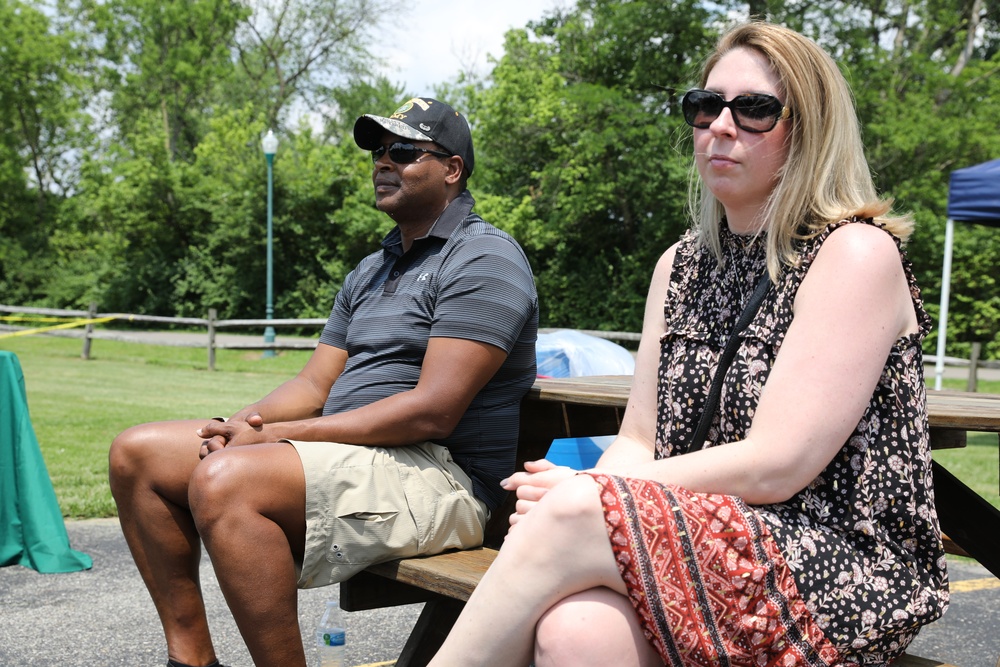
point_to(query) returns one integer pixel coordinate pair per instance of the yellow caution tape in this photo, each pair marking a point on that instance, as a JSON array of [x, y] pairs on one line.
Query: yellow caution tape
[[970, 585], [31, 318], [66, 325]]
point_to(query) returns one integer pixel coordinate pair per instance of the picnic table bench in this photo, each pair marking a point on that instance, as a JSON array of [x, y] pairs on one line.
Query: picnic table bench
[[593, 406]]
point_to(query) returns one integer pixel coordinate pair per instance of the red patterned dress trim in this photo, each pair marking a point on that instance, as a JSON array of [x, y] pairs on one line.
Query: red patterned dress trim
[[709, 584]]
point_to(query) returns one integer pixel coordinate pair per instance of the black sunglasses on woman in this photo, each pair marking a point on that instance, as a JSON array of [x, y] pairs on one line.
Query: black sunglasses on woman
[[753, 112]]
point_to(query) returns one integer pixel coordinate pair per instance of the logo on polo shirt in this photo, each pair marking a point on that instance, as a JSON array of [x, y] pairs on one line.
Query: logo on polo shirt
[[423, 276]]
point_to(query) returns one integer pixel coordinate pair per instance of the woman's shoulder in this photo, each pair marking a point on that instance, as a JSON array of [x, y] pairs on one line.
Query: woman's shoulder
[[856, 251], [666, 261], [854, 242], [860, 264], [857, 225]]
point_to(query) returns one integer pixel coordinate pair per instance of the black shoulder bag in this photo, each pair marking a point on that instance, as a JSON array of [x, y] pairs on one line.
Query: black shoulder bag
[[726, 358]]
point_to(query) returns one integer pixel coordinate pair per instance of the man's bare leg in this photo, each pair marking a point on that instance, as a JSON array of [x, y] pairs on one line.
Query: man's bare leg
[[249, 507], [150, 467]]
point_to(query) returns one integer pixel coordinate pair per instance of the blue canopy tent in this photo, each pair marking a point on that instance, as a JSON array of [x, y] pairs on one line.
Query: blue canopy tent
[[973, 196]]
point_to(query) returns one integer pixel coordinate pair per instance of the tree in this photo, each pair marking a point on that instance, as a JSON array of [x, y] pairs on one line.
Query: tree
[[925, 86], [165, 218], [324, 221], [574, 123], [299, 50], [41, 126], [163, 58], [158, 207], [126, 228], [571, 95], [358, 97]]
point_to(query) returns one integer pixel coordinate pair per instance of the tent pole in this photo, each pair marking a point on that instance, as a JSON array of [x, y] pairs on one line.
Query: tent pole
[[949, 235]]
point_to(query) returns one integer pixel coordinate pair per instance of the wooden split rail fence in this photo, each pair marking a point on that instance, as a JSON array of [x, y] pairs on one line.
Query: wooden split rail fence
[[86, 324], [81, 324]]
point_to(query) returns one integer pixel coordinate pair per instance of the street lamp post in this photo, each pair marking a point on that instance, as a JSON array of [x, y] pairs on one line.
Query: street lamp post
[[270, 146]]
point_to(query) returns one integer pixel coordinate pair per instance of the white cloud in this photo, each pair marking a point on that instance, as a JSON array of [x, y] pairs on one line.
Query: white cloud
[[436, 39]]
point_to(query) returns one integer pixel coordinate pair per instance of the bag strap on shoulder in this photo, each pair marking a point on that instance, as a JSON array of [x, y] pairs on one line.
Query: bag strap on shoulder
[[725, 359]]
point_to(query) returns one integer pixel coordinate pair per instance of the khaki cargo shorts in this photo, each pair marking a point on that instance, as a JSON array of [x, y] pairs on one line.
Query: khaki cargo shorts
[[366, 505]]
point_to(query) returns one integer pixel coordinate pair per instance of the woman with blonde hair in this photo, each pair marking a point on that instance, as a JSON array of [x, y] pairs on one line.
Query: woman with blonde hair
[[797, 526]]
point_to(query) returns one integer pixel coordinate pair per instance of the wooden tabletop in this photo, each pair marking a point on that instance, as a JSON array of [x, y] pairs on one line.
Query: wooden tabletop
[[957, 410]]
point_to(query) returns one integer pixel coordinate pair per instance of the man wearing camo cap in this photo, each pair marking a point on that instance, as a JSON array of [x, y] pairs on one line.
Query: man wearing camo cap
[[392, 440]]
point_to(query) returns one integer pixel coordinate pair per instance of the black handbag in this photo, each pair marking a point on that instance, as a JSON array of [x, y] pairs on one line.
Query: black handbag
[[725, 359]]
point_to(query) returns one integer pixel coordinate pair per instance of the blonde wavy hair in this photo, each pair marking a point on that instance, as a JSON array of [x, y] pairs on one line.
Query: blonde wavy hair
[[826, 177]]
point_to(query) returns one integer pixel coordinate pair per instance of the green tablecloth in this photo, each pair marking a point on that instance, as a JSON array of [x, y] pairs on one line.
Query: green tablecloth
[[32, 532]]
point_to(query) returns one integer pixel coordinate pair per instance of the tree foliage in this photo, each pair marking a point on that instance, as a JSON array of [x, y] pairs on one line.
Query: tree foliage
[[924, 83], [163, 60], [926, 86], [300, 50], [576, 120], [167, 214], [132, 174], [40, 125]]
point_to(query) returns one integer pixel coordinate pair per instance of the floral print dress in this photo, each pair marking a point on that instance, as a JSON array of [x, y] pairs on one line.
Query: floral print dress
[[845, 571]]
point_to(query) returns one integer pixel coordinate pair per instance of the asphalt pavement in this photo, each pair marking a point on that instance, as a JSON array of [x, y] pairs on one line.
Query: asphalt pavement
[[104, 616]]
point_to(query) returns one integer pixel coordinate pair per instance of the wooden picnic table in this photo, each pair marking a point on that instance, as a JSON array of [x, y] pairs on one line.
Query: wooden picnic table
[[957, 411], [593, 406]]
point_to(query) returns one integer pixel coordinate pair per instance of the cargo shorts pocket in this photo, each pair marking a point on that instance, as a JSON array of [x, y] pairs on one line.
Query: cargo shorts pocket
[[369, 521]]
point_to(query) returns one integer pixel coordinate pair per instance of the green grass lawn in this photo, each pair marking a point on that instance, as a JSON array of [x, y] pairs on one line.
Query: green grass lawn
[[977, 465], [77, 407]]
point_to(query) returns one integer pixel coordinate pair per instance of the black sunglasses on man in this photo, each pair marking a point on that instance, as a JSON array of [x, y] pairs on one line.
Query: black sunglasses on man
[[401, 153]]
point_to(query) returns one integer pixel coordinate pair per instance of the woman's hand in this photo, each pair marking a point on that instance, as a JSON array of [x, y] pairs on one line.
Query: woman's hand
[[532, 484]]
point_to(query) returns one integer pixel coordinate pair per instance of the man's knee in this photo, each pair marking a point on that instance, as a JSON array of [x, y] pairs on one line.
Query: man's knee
[[128, 453], [157, 455], [216, 483]]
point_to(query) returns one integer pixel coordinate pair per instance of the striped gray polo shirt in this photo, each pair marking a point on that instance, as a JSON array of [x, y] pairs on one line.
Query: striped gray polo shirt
[[464, 279]]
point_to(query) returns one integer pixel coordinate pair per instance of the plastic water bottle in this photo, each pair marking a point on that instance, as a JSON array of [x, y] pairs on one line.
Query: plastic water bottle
[[330, 650]]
